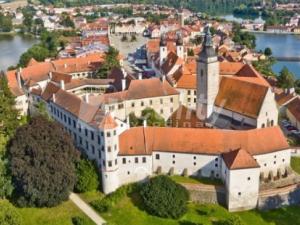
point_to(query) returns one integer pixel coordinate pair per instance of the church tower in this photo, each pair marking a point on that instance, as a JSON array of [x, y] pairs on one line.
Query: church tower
[[163, 52], [207, 78]]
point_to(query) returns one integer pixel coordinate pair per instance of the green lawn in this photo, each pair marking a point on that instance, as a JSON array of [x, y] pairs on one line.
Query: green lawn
[[295, 163], [130, 212], [60, 215], [195, 180]]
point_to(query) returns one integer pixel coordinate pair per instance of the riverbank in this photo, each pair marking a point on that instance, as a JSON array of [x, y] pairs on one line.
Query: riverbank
[[269, 32]]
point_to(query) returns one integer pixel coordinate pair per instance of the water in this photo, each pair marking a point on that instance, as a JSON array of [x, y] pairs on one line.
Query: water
[[12, 47], [282, 45]]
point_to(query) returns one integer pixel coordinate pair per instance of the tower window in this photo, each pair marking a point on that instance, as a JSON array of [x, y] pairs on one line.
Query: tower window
[[202, 73]]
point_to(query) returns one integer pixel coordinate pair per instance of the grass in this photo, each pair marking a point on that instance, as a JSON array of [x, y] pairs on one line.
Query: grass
[[196, 180], [59, 215], [129, 211], [91, 196], [295, 164]]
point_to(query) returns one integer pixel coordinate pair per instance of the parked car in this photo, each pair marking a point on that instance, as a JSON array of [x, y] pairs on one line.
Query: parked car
[[297, 132], [290, 128]]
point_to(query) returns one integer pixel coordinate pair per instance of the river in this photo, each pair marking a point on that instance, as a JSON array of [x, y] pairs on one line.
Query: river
[[282, 45], [12, 47]]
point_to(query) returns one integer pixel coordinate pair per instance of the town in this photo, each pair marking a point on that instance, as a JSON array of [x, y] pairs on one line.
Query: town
[[147, 114]]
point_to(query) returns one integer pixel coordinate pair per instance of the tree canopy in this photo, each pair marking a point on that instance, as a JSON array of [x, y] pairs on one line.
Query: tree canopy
[[42, 162], [286, 79], [148, 114], [164, 198], [111, 61], [87, 176]]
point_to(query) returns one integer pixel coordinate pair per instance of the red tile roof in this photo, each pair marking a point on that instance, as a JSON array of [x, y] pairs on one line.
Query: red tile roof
[[241, 96], [294, 108], [141, 141], [239, 159], [13, 83]]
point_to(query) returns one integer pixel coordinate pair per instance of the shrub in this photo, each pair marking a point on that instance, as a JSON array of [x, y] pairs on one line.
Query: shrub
[[164, 198], [8, 214], [104, 204], [77, 220], [87, 176], [234, 220]]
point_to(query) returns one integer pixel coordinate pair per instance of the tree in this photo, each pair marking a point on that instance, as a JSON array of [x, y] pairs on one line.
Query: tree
[[148, 114], [8, 214], [87, 176], [286, 79], [133, 38], [66, 21], [268, 52], [42, 162], [190, 52], [9, 122], [234, 220], [164, 198], [79, 221], [5, 23], [37, 52], [111, 61]]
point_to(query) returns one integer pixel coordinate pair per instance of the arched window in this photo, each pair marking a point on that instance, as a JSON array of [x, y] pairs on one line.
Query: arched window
[[263, 125], [272, 122]]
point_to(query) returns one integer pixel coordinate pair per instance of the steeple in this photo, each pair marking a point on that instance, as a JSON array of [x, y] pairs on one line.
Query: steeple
[[208, 50]]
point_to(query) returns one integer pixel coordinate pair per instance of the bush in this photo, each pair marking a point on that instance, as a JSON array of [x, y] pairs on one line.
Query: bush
[[234, 220], [164, 198], [79, 221], [87, 176], [8, 214], [103, 205]]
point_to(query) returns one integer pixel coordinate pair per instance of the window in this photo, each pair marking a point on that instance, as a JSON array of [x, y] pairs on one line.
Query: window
[[189, 99], [79, 127], [92, 135], [69, 120], [74, 123], [120, 106], [265, 164], [274, 162], [194, 157], [102, 148], [173, 162], [65, 118], [116, 162], [272, 122], [132, 104], [108, 134], [86, 132], [115, 132], [189, 92], [161, 111], [239, 193], [142, 103], [263, 125], [80, 140], [144, 159], [115, 147], [171, 99], [275, 156], [173, 156], [99, 154], [99, 139], [194, 164], [93, 149], [136, 160], [150, 102], [86, 145], [124, 160], [128, 172], [161, 101], [202, 73], [216, 159], [157, 156], [109, 149], [216, 165], [249, 178], [109, 163], [283, 160]]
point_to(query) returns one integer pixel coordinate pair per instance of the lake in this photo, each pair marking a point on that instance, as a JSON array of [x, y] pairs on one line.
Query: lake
[[12, 47], [282, 45]]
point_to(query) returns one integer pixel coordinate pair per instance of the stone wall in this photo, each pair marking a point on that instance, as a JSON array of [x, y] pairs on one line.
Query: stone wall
[[276, 198], [200, 193]]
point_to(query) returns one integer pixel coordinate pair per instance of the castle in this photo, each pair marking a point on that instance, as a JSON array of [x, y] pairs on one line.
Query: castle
[[241, 158]]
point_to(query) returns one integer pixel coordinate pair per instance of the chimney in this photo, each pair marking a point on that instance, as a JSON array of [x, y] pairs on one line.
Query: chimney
[[123, 84], [124, 72], [53, 97], [62, 84], [50, 75], [163, 78], [145, 123], [19, 77], [66, 65], [86, 97], [140, 76], [128, 121]]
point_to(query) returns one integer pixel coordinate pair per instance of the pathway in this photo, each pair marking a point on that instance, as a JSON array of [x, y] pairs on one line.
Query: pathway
[[87, 209]]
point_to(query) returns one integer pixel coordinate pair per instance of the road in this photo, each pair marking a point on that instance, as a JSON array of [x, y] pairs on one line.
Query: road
[[84, 207]]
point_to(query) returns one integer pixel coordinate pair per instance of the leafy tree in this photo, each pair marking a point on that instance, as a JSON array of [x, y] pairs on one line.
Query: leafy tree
[[37, 52], [234, 220], [111, 62], [243, 38], [268, 52], [87, 176], [42, 162], [148, 114], [190, 52], [79, 221], [8, 214], [66, 21], [286, 79], [9, 122], [5, 23], [164, 198]]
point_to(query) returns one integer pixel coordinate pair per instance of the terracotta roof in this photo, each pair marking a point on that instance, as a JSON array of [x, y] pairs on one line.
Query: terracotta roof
[[239, 159], [240, 96], [283, 98], [75, 105], [108, 122], [36, 91], [140, 140], [50, 89], [294, 108], [153, 45], [171, 61], [37, 72], [230, 68], [185, 117], [13, 83], [32, 62], [57, 77]]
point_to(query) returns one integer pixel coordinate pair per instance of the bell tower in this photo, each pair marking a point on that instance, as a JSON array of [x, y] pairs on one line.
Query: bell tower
[[207, 78]]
